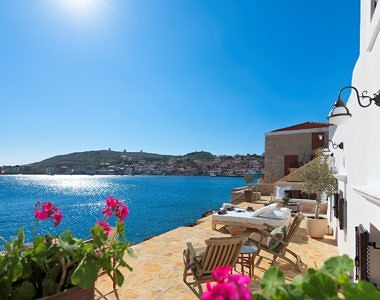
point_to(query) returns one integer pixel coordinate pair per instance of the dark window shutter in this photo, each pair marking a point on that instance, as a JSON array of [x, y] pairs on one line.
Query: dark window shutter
[[361, 258], [341, 212], [335, 207]]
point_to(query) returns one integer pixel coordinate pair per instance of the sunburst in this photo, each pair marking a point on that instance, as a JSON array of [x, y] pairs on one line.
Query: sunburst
[[83, 9], [79, 6]]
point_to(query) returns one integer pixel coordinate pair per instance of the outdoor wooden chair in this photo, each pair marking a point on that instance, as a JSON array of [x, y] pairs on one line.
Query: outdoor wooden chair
[[200, 262], [282, 250]]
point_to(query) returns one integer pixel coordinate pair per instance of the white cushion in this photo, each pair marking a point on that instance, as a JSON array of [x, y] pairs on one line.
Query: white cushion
[[227, 205], [265, 210], [244, 218], [280, 191]]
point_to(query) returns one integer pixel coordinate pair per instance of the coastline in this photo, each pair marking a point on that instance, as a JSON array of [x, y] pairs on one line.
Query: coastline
[[126, 175]]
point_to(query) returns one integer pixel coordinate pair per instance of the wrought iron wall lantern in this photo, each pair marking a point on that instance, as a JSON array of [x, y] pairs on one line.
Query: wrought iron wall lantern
[[327, 150], [340, 113], [334, 145]]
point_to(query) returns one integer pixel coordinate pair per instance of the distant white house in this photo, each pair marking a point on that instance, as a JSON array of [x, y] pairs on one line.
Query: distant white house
[[357, 220]]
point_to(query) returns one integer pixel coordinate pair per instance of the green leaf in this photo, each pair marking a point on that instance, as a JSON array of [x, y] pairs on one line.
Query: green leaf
[[363, 290], [120, 227], [339, 267], [321, 287], [119, 277], [40, 247], [280, 294], [309, 274], [293, 292], [50, 281], [20, 239], [15, 271], [298, 280], [69, 248], [86, 273], [5, 288], [272, 280], [24, 292], [49, 285], [131, 252], [259, 297]]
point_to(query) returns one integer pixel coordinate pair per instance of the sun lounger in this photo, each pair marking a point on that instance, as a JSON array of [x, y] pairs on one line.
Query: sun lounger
[[269, 215]]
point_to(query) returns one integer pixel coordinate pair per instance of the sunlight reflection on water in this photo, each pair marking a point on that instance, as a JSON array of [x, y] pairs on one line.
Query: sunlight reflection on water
[[163, 202], [67, 184]]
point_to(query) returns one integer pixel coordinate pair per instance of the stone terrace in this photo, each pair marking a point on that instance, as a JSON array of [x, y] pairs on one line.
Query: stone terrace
[[158, 267]]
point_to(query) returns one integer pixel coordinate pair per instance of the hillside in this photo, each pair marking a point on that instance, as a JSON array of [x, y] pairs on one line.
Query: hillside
[[97, 157], [199, 155], [107, 162]]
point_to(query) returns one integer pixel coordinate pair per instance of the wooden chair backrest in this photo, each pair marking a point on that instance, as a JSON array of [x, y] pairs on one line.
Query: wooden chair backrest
[[220, 252], [293, 227]]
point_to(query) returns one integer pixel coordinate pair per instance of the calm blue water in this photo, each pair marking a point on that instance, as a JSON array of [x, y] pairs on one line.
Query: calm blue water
[[157, 203]]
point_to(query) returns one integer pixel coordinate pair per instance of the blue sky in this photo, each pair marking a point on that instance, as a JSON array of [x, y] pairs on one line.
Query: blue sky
[[167, 76]]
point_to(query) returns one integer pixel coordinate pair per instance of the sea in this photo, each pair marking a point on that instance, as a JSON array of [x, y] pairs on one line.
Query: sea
[[157, 204]]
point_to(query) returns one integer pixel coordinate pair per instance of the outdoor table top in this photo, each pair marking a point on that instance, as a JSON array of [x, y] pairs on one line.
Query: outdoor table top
[[248, 249]]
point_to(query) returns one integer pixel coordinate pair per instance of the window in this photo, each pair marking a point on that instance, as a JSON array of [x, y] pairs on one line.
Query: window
[[361, 258], [339, 208]]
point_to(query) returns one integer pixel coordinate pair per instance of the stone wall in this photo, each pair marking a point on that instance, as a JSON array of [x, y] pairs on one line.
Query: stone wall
[[276, 146], [245, 196], [308, 206], [264, 188]]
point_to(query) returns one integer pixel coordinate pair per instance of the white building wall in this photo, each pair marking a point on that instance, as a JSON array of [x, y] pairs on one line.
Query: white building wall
[[358, 165]]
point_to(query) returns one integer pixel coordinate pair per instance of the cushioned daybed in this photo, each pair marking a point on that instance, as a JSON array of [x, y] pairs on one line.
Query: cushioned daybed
[[268, 215]]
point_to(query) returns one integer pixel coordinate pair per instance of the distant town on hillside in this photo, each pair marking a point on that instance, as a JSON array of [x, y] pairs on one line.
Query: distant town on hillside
[[108, 162]]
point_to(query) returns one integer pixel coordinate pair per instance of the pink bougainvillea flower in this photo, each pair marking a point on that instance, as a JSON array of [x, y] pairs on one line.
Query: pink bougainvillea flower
[[48, 207], [221, 273], [228, 287], [57, 217], [122, 212], [239, 279], [107, 212], [48, 211], [114, 207], [106, 227], [40, 214], [221, 291], [112, 202], [241, 284]]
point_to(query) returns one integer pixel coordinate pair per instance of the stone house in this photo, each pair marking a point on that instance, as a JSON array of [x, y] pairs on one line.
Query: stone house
[[291, 147]]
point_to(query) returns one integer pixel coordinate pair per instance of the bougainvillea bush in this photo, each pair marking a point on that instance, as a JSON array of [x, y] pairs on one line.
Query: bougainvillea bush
[[54, 263], [227, 287], [331, 282]]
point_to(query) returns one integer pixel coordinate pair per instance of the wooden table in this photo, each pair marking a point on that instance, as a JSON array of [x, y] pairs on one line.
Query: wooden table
[[247, 259]]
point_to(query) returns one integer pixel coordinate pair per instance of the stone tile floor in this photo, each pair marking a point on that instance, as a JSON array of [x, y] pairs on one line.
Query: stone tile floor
[[158, 267]]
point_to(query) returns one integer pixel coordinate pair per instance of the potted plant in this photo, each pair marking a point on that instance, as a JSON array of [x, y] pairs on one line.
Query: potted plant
[[319, 179], [249, 178], [286, 200], [61, 266]]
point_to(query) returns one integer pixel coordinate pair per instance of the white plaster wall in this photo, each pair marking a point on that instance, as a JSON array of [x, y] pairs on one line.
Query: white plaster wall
[[360, 159]]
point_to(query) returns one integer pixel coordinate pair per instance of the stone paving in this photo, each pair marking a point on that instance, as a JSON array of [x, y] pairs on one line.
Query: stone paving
[[158, 267]]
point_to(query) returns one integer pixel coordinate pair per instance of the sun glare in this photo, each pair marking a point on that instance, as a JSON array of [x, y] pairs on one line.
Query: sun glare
[[82, 9], [79, 5]]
